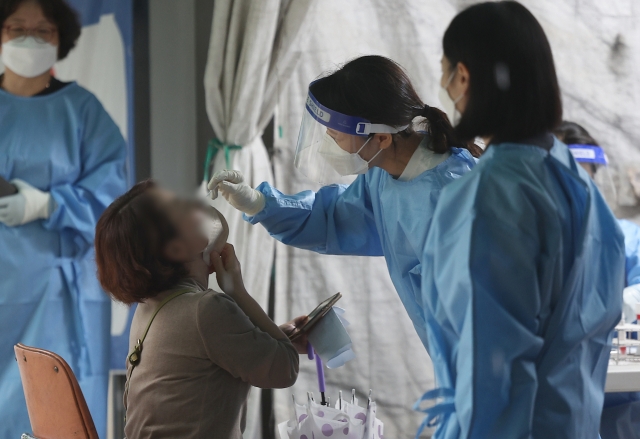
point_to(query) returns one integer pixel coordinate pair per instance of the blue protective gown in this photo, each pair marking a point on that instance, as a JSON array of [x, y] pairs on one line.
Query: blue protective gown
[[374, 216], [522, 286], [621, 414], [64, 143]]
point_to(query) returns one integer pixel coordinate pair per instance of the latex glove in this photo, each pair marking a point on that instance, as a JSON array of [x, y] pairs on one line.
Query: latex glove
[[630, 297], [29, 204], [239, 194]]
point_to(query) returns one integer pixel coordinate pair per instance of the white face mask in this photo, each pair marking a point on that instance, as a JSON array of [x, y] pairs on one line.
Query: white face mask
[[448, 104], [28, 58], [345, 163]]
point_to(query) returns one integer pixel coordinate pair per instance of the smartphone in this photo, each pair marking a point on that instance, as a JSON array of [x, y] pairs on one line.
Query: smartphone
[[316, 315], [6, 188]]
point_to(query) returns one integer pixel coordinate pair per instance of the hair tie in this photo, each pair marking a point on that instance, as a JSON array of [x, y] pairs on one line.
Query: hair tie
[[425, 110]]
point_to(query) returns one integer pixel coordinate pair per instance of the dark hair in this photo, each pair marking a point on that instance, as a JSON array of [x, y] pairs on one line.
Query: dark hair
[[573, 134], [513, 88], [130, 238], [59, 13], [378, 89]]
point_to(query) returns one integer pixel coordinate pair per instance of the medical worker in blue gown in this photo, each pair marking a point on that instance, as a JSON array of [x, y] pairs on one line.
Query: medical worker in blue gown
[[65, 157], [523, 269], [364, 119], [621, 413]]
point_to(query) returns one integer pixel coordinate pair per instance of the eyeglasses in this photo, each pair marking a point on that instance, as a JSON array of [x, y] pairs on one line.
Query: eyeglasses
[[41, 34]]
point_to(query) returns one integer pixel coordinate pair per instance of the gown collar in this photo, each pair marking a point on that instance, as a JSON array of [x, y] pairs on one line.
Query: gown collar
[[422, 160]]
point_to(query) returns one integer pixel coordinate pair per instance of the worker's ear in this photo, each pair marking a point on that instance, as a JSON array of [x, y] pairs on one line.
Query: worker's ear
[[385, 140], [462, 78], [459, 87]]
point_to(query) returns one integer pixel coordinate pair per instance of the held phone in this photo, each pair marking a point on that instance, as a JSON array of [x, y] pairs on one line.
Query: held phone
[[6, 188], [315, 316]]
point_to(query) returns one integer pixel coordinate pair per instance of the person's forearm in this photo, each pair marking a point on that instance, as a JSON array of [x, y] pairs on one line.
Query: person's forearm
[[320, 221], [257, 315]]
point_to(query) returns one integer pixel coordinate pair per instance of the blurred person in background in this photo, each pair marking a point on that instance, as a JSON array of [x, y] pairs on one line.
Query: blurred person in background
[[62, 161], [621, 414]]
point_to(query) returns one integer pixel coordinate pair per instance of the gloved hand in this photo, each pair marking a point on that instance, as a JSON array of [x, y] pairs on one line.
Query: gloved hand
[[630, 297], [239, 194], [29, 204]]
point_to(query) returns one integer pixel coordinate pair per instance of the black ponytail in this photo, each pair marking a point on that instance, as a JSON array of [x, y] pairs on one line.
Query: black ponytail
[[378, 89], [442, 133], [439, 128]]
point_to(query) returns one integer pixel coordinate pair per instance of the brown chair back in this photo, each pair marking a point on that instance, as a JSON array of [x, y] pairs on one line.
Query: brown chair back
[[57, 408]]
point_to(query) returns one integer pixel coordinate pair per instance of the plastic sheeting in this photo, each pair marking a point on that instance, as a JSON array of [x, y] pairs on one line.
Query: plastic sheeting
[[596, 51], [253, 49]]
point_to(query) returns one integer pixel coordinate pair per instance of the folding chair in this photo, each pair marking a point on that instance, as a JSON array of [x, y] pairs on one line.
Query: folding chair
[[56, 405]]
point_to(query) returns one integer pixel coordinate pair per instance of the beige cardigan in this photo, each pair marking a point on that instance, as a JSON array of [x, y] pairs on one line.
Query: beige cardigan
[[198, 363]]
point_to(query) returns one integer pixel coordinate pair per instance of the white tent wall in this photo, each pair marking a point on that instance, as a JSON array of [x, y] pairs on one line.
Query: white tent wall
[[597, 51]]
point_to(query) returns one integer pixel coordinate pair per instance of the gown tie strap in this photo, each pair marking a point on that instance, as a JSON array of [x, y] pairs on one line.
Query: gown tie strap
[[438, 411], [216, 145]]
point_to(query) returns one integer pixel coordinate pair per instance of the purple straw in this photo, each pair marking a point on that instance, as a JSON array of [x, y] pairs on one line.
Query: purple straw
[[319, 369]]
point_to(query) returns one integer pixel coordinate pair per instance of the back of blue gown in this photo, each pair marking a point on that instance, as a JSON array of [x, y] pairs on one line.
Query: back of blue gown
[[522, 281]]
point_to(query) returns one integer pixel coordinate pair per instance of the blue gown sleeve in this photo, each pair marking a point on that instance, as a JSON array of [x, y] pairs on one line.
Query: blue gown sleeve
[[632, 251], [336, 220], [80, 203]]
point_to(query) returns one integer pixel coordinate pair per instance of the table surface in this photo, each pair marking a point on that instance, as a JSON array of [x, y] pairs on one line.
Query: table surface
[[623, 378]]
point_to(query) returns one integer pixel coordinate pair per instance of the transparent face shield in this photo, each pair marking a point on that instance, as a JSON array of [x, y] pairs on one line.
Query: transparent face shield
[[593, 159], [330, 144]]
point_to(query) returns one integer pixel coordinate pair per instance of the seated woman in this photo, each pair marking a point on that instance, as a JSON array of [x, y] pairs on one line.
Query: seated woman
[[203, 350]]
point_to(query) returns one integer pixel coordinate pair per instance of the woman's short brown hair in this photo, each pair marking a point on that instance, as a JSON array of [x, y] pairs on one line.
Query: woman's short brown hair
[[56, 11], [130, 239]]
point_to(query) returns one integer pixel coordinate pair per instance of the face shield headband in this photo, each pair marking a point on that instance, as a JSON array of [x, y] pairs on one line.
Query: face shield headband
[[329, 143], [353, 125], [589, 154]]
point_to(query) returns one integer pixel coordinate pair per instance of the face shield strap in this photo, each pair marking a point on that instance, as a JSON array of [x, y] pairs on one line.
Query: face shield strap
[[589, 154], [356, 126]]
